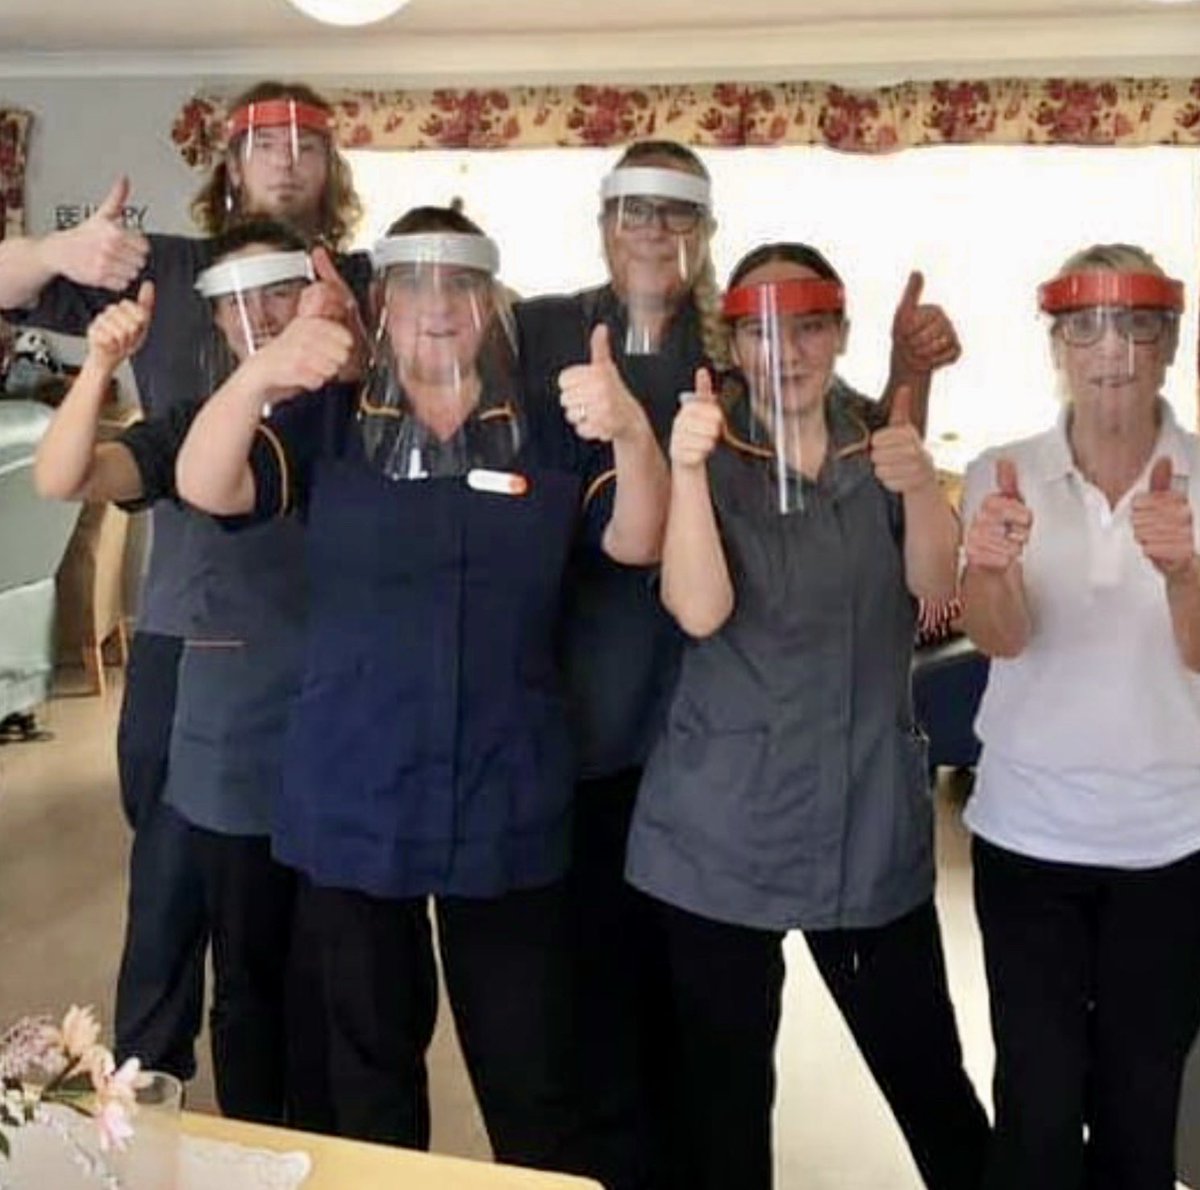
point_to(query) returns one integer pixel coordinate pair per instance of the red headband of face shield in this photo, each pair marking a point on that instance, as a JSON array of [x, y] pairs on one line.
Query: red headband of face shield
[[278, 113], [1077, 291], [807, 295]]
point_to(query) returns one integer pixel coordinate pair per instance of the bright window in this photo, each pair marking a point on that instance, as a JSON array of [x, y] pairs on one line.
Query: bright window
[[984, 224]]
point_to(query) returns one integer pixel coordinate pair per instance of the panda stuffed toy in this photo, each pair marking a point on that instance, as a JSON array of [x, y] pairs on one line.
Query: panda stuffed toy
[[31, 364]]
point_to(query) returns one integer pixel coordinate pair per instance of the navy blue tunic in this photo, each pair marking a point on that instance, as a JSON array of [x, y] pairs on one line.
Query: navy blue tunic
[[428, 750], [620, 649]]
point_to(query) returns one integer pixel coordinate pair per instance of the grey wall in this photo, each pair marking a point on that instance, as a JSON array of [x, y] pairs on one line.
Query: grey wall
[[86, 131]]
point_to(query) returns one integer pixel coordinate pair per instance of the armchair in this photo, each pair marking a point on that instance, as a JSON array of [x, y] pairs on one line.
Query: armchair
[[33, 537]]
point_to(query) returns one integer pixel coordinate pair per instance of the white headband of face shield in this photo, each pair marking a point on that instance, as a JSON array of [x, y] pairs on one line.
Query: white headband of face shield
[[253, 272], [438, 247], [648, 182]]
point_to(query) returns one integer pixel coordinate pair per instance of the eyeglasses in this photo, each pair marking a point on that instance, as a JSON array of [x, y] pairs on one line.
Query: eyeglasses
[[672, 215], [1084, 328]]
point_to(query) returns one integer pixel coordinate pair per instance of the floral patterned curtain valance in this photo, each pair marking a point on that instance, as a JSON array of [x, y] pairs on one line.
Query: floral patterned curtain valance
[[14, 131], [997, 111]]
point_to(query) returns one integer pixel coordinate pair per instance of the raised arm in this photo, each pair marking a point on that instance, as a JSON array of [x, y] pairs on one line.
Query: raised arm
[[696, 587], [931, 528], [1163, 526], [99, 252], [600, 408], [69, 465], [213, 470], [995, 609], [923, 340]]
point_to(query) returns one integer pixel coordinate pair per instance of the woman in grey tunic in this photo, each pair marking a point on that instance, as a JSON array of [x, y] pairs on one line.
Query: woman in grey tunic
[[789, 788]]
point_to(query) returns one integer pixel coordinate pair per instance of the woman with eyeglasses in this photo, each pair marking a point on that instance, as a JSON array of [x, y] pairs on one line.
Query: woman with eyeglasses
[[789, 789], [658, 319], [1083, 584]]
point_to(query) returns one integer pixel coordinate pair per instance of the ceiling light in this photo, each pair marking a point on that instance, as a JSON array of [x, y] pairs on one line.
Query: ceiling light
[[348, 12]]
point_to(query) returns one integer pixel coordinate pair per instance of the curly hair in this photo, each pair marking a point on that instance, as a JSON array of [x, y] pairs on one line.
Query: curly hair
[[217, 205]]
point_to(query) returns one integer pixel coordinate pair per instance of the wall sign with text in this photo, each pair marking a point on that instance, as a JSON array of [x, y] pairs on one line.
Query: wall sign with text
[[71, 214]]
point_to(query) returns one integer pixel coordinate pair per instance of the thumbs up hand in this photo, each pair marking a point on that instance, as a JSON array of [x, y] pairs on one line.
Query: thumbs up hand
[[594, 397], [901, 462], [119, 330], [697, 426], [99, 251], [997, 535], [1162, 523], [329, 297], [923, 337]]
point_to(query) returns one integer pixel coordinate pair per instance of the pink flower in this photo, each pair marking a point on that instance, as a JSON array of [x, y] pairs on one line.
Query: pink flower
[[112, 1123], [112, 1085], [80, 1031]]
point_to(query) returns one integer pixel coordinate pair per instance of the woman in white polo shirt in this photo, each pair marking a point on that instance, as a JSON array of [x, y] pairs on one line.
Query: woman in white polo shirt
[[1083, 584]]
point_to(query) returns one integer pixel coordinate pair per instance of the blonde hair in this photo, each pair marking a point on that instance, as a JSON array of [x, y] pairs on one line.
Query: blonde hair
[[1120, 258], [216, 205]]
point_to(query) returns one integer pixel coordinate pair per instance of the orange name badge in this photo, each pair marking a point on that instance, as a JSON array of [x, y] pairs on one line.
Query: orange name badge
[[499, 483]]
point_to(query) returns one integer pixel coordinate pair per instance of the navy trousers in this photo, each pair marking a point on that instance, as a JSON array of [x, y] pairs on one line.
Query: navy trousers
[[160, 986]]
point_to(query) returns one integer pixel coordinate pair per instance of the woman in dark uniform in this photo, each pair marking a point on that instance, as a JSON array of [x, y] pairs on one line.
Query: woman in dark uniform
[[661, 308], [789, 787], [429, 752], [237, 678]]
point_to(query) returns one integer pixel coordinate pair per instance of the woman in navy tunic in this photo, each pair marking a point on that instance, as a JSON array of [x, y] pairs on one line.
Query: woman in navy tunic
[[429, 752], [789, 789]]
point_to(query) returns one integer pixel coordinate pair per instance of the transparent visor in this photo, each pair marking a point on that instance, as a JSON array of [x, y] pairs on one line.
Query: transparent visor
[[657, 219], [785, 339], [442, 396], [276, 140], [252, 298], [1104, 318]]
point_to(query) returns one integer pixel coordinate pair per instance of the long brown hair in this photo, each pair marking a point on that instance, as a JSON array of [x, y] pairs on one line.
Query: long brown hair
[[216, 205]]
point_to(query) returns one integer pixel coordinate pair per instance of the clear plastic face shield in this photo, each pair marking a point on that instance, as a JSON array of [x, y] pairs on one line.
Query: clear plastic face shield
[[785, 339], [252, 296], [279, 158], [442, 396], [1113, 335], [656, 227]]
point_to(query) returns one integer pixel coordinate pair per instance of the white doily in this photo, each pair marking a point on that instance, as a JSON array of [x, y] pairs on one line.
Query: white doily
[[216, 1165]]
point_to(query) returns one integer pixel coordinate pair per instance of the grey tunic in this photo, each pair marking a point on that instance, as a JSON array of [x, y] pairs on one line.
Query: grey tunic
[[789, 788]]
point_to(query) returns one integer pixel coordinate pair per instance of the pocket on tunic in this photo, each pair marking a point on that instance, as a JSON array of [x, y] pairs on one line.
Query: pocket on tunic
[[913, 827], [717, 790]]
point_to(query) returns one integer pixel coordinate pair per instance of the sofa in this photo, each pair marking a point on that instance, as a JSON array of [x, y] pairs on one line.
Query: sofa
[[33, 537], [948, 679]]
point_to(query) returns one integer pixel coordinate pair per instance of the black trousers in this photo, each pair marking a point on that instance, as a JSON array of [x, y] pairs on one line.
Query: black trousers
[[508, 982], [250, 900], [1094, 980], [890, 986], [622, 998], [160, 985]]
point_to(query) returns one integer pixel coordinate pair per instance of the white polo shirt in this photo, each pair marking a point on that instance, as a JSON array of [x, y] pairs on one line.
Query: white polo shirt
[[1091, 737]]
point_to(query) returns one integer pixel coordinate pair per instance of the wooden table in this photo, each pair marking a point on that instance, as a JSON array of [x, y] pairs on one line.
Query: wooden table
[[352, 1165]]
